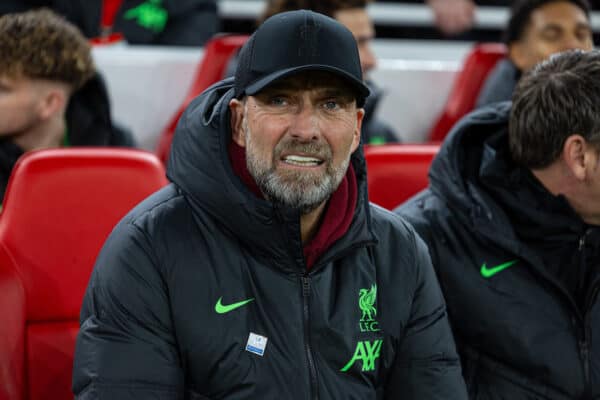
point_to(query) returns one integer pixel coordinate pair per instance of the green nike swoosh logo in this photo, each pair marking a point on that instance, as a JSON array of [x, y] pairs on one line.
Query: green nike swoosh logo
[[224, 309], [489, 272]]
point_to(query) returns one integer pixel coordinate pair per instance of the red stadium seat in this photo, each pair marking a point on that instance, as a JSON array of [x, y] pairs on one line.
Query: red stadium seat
[[396, 172], [467, 84], [217, 53], [60, 206]]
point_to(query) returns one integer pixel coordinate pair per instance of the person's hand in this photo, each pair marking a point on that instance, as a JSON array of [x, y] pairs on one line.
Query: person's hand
[[452, 16]]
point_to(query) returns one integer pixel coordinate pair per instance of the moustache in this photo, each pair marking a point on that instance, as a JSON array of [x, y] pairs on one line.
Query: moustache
[[313, 149]]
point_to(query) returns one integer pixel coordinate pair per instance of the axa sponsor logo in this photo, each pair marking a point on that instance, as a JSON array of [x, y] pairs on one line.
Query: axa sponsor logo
[[366, 352]]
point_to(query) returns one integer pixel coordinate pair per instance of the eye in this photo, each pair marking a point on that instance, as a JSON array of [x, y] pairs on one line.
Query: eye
[[278, 101], [583, 35], [551, 34], [331, 105]]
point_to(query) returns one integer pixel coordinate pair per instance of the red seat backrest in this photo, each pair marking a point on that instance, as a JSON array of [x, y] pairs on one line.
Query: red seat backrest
[[466, 87], [395, 172], [217, 53], [60, 206]]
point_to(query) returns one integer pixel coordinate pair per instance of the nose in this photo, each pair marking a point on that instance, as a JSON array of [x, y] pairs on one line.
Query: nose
[[304, 125]]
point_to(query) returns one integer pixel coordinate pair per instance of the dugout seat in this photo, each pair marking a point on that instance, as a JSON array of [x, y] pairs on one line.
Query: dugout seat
[[466, 87], [217, 53], [395, 172], [59, 207]]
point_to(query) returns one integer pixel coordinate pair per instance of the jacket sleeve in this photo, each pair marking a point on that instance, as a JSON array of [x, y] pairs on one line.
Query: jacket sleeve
[[427, 365], [126, 348]]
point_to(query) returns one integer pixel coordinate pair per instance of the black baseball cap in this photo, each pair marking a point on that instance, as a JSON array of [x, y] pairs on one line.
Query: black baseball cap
[[295, 41]]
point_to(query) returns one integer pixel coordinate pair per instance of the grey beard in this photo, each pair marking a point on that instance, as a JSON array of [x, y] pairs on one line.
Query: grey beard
[[301, 194], [300, 191]]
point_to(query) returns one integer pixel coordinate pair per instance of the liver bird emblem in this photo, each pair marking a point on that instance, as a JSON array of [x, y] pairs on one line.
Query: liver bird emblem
[[366, 300]]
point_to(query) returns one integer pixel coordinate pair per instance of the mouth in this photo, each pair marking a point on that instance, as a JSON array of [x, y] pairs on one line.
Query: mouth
[[301, 161]]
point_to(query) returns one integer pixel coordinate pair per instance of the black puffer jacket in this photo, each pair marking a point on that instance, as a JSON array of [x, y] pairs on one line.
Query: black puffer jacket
[[202, 266], [518, 267]]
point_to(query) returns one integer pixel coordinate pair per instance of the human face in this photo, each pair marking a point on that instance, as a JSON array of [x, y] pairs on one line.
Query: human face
[[359, 23], [299, 135], [552, 28], [20, 105]]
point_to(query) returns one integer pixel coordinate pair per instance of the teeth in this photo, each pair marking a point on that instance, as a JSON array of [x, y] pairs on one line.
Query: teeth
[[301, 160]]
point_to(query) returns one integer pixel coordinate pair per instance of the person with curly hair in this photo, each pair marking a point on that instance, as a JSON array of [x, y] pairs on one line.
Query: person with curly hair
[[50, 92]]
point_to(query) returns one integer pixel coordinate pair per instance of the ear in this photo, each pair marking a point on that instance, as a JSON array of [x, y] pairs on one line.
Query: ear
[[579, 156], [236, 108], [360, 114], [519, 55], [53, 101]]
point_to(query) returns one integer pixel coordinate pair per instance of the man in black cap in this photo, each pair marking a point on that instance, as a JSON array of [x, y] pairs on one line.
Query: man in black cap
[[261, 271]]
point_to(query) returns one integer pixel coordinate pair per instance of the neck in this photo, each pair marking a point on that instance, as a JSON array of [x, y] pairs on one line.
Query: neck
[[46, 135], [558, 180], [309, 223]]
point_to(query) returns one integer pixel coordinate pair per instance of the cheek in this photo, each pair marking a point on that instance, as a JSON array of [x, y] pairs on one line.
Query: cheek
[[341, 136], [274, 125], [16, 110], [265, 134]]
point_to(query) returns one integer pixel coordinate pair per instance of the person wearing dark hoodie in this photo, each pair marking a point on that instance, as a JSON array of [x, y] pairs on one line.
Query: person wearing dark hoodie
[[143, 22], [512, 221], [262, 271], [50, 92], [536, 29], [353, 15]]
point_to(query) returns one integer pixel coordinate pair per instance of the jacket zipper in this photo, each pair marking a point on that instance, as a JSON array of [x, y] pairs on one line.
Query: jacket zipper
[[312, 369], [584, 344]]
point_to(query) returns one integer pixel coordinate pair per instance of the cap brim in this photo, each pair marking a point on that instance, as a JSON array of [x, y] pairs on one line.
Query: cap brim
[[362, 90]]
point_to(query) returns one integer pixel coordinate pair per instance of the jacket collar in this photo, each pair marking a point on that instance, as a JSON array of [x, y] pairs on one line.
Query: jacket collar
[[199, 165]]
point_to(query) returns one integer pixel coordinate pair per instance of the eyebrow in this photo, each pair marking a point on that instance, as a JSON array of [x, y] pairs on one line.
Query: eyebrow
[[584, 25], [552, 26], [326, 91], [297, 85]]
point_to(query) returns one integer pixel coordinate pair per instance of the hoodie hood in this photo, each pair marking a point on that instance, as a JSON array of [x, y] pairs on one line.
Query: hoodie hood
[[454, 173], [199, 165], [508, 205], [475, 173]]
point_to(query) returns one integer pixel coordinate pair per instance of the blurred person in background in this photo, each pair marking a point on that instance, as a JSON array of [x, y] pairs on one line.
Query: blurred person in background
[[153, 22], [536, 29], [353, 15], [452, 17], [50, 93]]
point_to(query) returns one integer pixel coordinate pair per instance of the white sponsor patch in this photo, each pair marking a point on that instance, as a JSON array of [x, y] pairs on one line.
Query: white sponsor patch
[[256, 344]]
